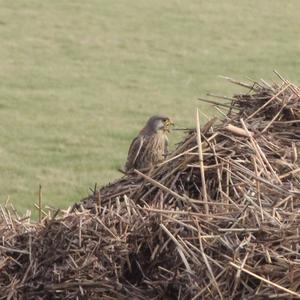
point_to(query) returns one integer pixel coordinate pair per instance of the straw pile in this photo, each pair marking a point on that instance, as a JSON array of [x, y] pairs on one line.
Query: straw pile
[[219, 219]]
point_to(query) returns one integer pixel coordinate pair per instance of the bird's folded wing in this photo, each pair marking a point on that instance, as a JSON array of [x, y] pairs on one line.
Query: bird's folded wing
[[134, 151]]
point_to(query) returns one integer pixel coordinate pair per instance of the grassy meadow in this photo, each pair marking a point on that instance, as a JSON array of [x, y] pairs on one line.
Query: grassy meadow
[[78, 79]]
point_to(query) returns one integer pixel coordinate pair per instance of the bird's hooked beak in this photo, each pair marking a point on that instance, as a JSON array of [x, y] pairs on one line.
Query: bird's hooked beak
[[167, 124]]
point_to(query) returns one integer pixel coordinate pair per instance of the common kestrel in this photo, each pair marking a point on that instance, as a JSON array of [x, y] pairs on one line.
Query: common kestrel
[[151, 145]]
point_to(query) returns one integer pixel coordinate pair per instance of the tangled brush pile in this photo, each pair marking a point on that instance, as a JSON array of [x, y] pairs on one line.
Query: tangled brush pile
[[219, 219]]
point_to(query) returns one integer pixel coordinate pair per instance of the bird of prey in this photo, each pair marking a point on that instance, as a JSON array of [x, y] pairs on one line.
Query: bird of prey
[[151, 145]]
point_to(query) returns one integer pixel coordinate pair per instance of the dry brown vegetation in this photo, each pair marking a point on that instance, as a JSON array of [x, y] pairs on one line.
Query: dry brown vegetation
[[219, 219]]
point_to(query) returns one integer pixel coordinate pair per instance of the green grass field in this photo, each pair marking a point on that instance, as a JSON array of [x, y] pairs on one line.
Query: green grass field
[[79, 78]]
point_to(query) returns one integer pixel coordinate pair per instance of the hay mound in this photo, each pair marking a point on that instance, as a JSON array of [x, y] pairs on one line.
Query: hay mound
[[219, 219]]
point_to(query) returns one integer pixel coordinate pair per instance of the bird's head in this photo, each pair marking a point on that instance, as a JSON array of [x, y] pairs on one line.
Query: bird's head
[[159, 123]]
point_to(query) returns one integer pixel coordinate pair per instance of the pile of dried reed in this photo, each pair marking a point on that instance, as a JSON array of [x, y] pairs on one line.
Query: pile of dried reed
[[219, 219]]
